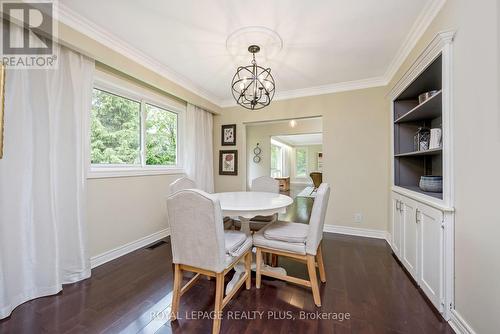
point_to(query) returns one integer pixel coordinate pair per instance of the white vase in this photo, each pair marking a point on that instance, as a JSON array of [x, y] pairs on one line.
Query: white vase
[[435, 141]]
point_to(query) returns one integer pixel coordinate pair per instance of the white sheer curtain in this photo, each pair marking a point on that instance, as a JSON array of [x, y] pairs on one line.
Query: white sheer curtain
[[42, 181], [287, 152], [198, 151]]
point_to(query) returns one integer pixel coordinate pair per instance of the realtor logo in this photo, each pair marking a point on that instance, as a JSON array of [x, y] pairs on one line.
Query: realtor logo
[[28, 34]]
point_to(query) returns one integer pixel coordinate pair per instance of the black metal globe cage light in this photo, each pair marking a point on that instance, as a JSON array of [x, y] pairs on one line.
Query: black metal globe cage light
[[253, 86]]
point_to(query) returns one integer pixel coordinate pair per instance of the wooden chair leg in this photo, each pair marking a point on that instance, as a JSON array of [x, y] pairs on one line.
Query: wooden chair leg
[[248, 270], [274, 260], [258, 265], [321, 265], [176, 293], [219, 296], [311, 268]]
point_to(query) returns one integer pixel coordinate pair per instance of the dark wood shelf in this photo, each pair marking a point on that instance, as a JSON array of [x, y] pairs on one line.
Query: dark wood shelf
[[420, 191], [427, 110], [434, 151]]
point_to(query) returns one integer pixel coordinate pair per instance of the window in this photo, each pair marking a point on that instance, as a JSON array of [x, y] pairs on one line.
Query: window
[[161, 136], [132, 133], [115, 129], [301, 162], [276, 161]]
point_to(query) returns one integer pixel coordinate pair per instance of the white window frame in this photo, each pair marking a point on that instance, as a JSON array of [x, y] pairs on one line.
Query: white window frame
[[283, 148], [280, 164], [122, 88]]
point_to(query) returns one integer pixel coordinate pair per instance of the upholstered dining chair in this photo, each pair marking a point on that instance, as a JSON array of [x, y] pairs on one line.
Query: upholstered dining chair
[[187, 183], [301, 242], [204, 248], [181, 184], [262, 184]]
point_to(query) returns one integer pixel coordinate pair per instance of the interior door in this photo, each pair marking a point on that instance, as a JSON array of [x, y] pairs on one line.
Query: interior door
[[431, 273], [410, 237], [396, 225]]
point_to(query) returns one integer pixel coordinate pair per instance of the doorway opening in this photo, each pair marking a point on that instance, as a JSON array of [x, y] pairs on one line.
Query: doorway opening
[[290, 151]]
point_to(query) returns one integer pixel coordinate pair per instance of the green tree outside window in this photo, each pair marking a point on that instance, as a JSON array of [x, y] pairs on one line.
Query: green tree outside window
[[116, 132], [161, 136], [301, 161], [115, 129]]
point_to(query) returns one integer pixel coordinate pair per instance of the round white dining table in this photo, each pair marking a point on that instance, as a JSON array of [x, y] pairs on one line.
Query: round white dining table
[[246, 205]]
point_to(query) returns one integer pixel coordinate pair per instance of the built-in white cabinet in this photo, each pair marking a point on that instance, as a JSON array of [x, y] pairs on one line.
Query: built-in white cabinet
[[431, 225], [422, 218], [418, 241], [410, 236], [397, 225]]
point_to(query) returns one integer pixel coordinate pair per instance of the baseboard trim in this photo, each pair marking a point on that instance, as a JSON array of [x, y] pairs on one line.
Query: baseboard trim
[[112, 254], [459, 325], [115, 253], [356, 231]]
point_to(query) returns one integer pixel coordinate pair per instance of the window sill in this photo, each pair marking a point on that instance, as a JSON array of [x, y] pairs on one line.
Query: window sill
[[103, 173]]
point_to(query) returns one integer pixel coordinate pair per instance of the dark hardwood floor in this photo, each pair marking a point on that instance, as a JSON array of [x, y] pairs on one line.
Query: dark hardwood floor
[[299, 211], [132, 295]]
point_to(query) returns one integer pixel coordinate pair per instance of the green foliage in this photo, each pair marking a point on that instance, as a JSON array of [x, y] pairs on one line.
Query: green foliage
[[115, 132], [115, 129], [301, 161], [161, 136]]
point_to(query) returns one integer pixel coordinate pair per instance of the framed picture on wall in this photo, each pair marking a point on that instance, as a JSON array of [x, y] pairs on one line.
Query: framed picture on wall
[[228, 162], [228, 135]]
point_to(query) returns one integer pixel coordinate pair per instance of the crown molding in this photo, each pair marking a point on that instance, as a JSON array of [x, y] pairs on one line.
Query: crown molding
[[89, 28], [423, 60], [417, 30], [424, 19], [321, 90], [94, 31]]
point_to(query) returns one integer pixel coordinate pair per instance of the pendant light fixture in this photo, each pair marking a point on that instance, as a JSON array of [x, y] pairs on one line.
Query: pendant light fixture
[[253, 86]]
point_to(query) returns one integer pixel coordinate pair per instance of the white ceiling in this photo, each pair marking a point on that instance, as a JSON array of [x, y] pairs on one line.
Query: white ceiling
[[328, 45], [301, 140]]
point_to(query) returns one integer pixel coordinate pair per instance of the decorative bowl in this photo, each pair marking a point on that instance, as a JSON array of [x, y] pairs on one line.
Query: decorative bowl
[[427, 95], [431, 183]]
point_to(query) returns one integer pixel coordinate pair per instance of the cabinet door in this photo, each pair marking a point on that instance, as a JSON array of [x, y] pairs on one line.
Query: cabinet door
[[430, 276], [410, 237], [396, 226]]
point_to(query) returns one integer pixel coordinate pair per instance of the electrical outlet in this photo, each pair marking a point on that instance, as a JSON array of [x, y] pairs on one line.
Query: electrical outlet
[[358, 217]]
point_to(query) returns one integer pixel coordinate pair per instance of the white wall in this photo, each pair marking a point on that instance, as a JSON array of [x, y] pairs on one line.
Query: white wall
[[355, 148], [123, 210], [476, 120]]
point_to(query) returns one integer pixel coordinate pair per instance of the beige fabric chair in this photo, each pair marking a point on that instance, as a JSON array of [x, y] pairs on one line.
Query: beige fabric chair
[[181, 184], [296, 241], [265, 184], [262, 184], [186, 183], [204, 248]]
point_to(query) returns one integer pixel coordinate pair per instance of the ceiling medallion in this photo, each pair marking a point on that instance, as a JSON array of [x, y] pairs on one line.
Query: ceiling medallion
[[253, 85]]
